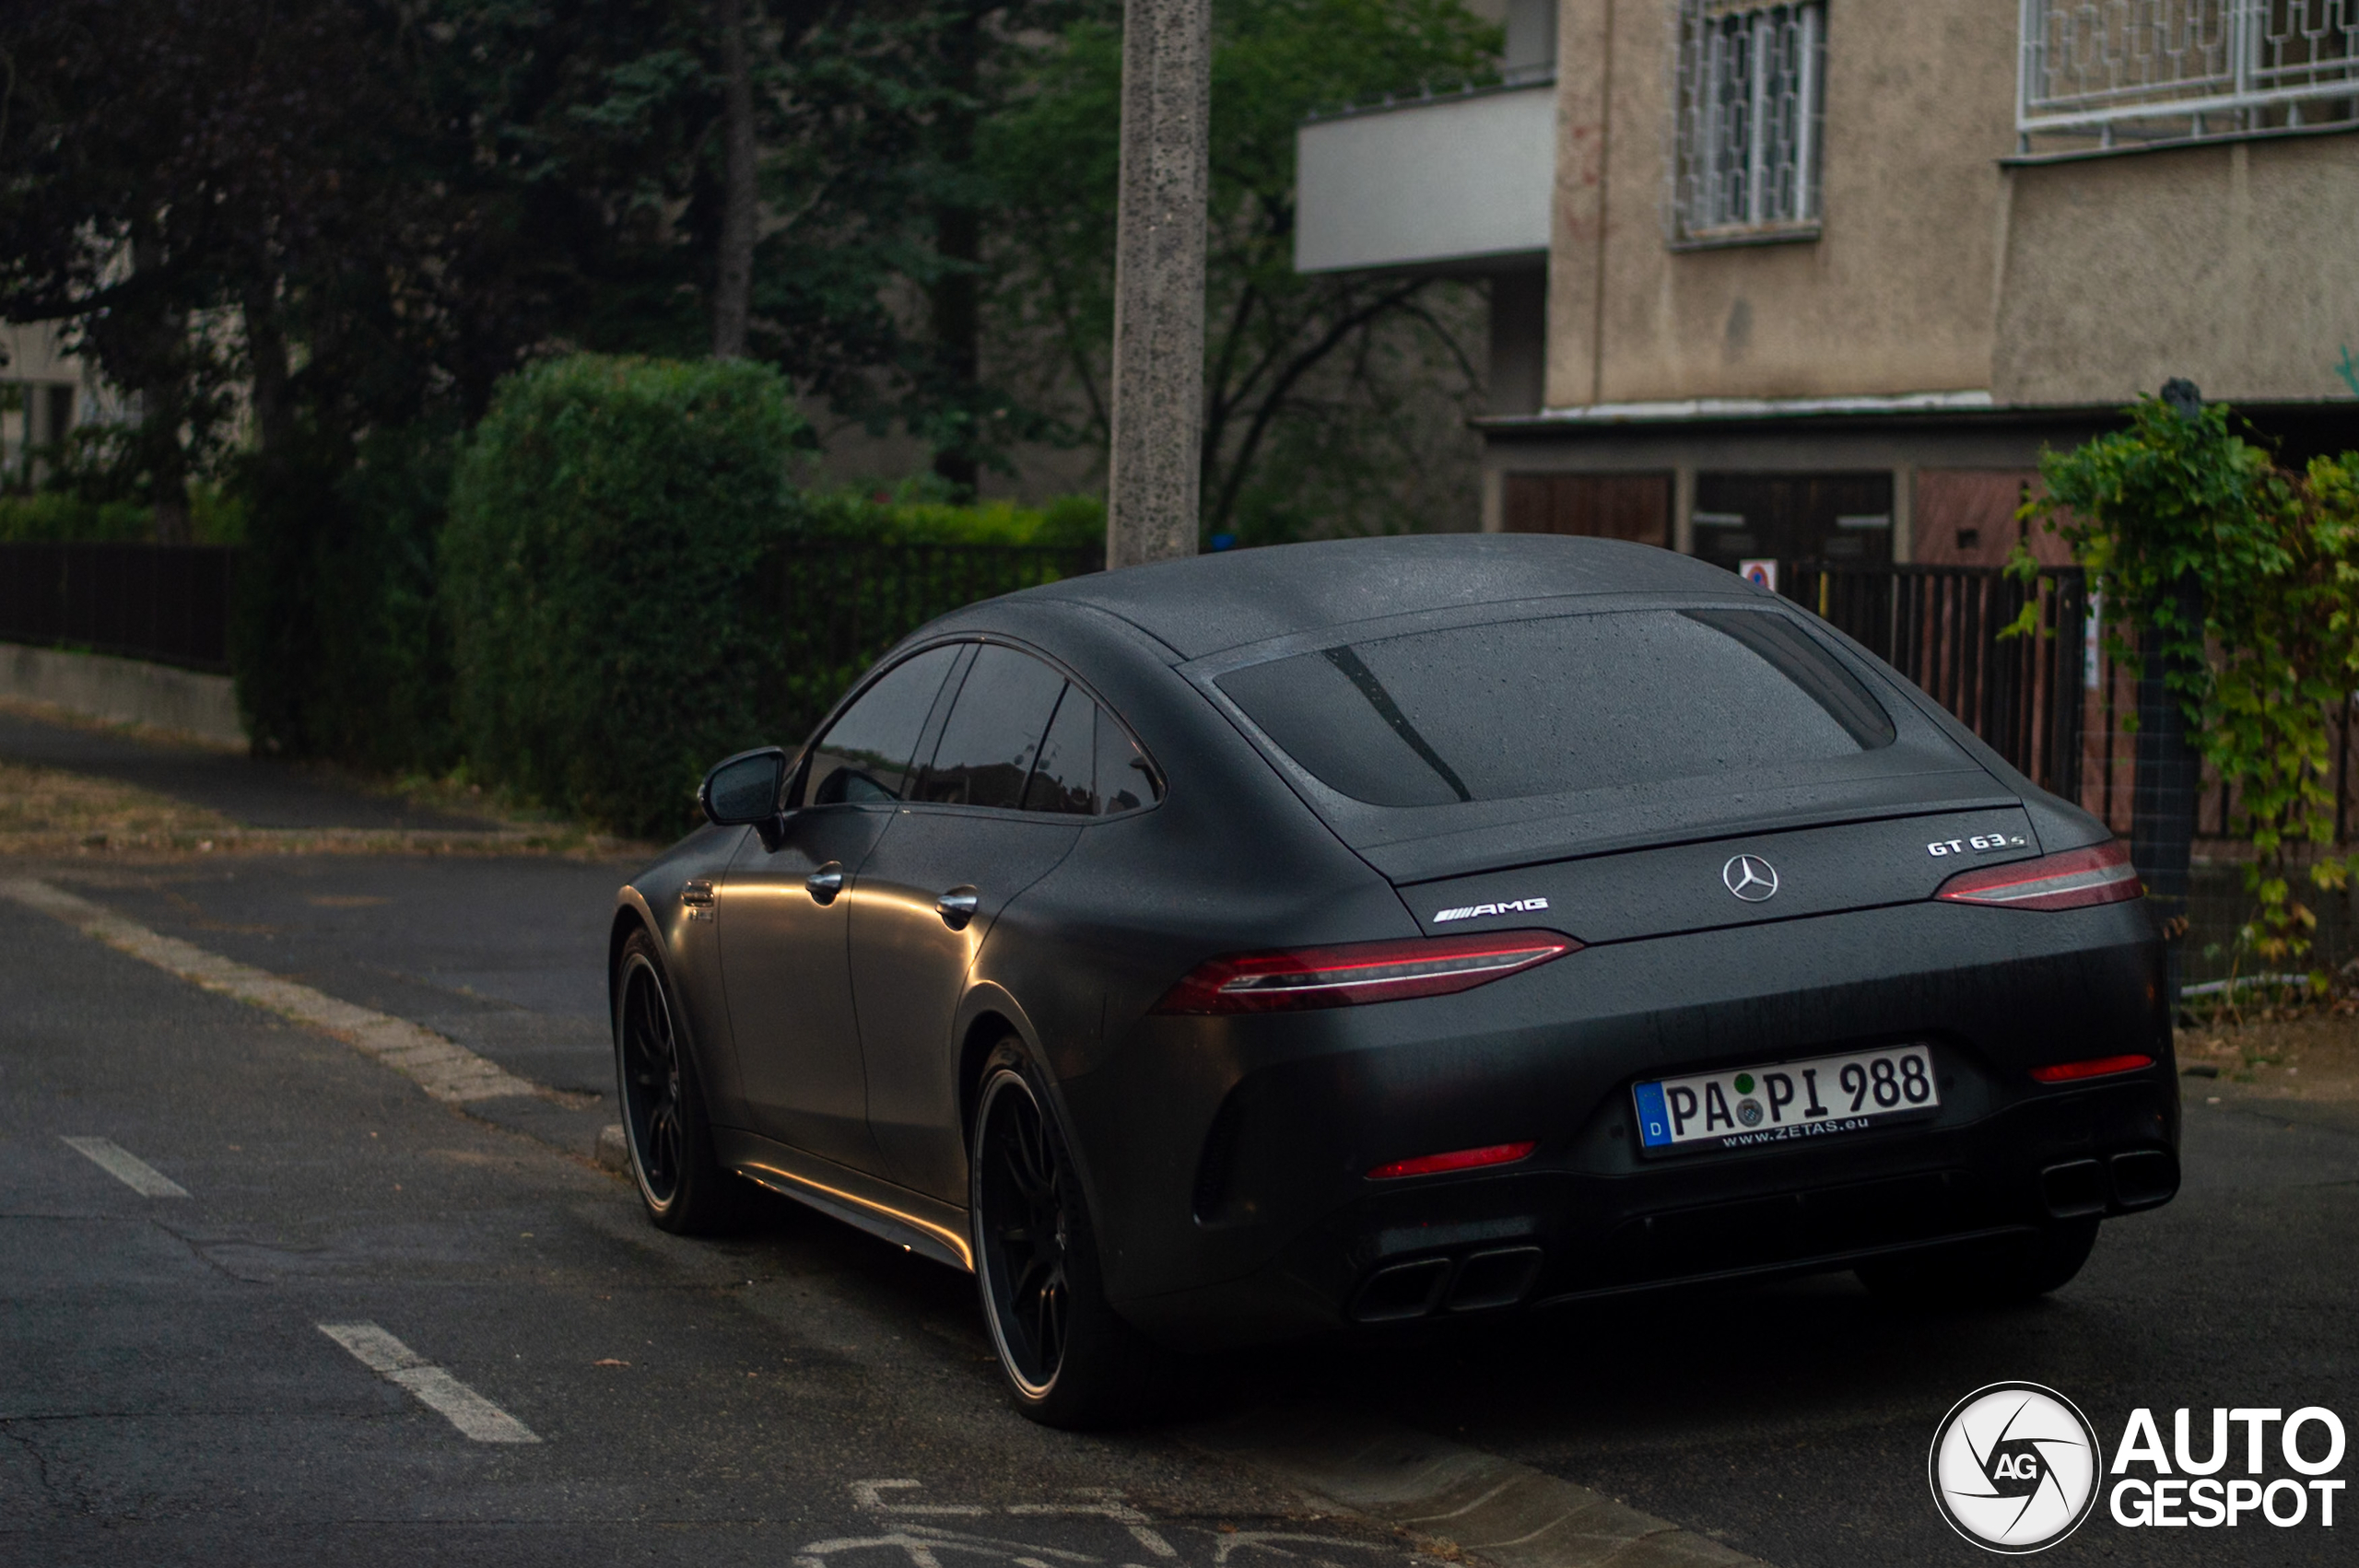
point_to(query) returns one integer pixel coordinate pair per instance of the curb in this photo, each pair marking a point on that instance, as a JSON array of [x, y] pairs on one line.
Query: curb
[[444, 1068], [1461, 1500], [612, 1153]]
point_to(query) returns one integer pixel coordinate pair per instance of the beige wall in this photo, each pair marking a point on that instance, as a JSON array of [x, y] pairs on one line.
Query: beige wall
[[1895, 296], [2235, 265]]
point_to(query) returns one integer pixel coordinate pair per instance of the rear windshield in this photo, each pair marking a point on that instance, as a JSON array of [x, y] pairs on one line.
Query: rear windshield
[[1519, 708]]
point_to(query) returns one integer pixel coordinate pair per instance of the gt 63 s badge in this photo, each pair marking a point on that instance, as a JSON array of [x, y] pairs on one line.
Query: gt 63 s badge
[[2014, 1468]]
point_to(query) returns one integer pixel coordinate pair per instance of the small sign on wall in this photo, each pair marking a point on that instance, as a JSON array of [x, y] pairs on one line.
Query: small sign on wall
[[1761, 574]]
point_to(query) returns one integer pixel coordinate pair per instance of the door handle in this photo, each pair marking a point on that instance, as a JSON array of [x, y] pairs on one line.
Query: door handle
[[826, 882], [957, 906]]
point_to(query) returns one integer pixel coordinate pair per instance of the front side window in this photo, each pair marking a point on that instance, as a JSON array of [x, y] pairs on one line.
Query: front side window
[[864, 756], [1749, 98]]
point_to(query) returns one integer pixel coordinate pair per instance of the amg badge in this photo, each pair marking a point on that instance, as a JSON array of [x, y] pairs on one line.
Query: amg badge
[[1476, 911]]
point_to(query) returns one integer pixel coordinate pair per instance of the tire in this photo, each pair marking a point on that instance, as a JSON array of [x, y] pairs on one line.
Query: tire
[[1067, 1359], [1982, 1274], [665, 1124]]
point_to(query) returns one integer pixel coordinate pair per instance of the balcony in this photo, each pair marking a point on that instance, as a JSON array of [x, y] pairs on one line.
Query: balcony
[[1451, 183], [2168, 72]]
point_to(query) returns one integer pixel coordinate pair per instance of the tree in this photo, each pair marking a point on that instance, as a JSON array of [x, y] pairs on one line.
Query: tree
[[1284, 351]]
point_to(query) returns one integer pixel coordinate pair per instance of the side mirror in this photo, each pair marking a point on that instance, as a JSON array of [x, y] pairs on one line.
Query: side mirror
[[744, 789]]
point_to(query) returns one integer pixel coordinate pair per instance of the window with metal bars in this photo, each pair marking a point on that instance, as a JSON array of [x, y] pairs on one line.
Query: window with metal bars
[[1750, 98]]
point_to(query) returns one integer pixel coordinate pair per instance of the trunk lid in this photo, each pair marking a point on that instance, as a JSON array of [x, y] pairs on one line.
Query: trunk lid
[[1741, 879]]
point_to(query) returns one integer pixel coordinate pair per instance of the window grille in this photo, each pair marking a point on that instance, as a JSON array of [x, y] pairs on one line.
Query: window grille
[[2140, 71], [1749, 98]]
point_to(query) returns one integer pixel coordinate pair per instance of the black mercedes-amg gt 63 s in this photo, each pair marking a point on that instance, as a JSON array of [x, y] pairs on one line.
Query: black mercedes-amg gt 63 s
[[1354, 933]]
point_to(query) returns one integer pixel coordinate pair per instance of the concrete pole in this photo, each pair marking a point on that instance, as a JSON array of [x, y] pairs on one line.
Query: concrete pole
[[1152, 474]]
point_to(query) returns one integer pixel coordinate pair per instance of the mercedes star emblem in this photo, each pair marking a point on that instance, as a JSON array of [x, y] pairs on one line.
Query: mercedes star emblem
[[1750, 877]]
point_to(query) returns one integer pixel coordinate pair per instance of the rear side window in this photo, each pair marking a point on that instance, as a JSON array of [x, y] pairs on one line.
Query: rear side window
[[993, 733], [1062, 780], [866, 754], [1567, 703], [1089, 765]]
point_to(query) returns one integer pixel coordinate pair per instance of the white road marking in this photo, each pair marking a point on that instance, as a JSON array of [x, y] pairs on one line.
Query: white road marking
[[126, 1168], [433, 1386], [443, 1068]]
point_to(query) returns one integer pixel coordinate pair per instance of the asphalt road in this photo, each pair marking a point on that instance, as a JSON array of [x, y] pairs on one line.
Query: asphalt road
[[166, 1394]]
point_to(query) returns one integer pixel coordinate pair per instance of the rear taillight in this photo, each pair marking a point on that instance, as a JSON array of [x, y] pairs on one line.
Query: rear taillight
[[2094, 1067], [2074, 879], [1458, 1159], [1359, 972]]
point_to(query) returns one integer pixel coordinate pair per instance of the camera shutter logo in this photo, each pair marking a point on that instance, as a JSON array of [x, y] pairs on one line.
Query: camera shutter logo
[[2014, 1468]]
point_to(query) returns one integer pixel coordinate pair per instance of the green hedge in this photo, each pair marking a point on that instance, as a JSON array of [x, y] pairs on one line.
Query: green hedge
[[600, 577], [215, 516], [855, 515]]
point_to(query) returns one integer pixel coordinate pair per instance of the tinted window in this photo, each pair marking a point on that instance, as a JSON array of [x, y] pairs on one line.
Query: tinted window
[[1575, 702], [993, 733], [1125, 779], [866, 754], [1062, 780]]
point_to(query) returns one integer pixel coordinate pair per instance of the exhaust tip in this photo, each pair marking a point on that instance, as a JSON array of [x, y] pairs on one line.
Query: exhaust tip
[[2075, 1189], [2144, 1177], [1498, 1278], [1402, 1291]]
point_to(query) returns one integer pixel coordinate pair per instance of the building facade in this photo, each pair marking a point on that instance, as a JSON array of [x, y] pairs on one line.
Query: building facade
[[43, 394], [1820, 279]]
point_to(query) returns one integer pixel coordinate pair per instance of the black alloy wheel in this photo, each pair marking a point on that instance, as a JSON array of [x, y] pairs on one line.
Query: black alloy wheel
[[1024, 1233], [1068, 1358], [664, 1114], [651, 1080]]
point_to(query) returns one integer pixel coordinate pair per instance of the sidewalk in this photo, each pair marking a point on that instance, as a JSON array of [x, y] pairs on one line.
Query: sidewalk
[[502, 952], [252, 791]]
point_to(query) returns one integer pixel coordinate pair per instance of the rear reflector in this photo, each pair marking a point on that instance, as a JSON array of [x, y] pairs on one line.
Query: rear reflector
[[2072, 880], [1463, 1160], [1360, 972], [2095, 1067]]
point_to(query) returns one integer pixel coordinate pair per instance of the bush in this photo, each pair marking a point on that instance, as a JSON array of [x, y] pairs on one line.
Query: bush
[[1066, 523], [600, 572], [54, 518], [337, 640], [215, 516]]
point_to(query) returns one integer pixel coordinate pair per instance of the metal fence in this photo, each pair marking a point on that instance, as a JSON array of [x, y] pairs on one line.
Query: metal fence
[[1940, 626], [2173, 69], [840, 605], [2059, 709], [165, 603]]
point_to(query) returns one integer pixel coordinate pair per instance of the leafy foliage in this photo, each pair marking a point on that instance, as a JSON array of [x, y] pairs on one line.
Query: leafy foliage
[[2178, 500], [602, 565], [1284, 351], [1068, 522]]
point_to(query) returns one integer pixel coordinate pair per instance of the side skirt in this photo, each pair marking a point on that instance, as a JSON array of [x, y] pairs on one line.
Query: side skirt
[[923, 1225]]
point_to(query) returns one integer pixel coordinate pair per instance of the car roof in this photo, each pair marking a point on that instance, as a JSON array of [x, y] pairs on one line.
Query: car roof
[[1205, 603]]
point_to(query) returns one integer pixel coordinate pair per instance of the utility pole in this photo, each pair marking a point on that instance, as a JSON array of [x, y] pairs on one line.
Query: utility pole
[[1151, 469], [732, 294]]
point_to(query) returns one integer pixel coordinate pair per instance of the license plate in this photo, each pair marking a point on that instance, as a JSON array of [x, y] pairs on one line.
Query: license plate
[[1788, 1101]]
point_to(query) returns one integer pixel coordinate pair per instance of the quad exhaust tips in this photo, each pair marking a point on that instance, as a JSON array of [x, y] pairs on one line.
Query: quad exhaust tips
[[2122, 1184], [1478, 1282]]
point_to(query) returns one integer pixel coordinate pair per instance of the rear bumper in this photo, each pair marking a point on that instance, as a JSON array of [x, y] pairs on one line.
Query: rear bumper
[[1228, 1157]]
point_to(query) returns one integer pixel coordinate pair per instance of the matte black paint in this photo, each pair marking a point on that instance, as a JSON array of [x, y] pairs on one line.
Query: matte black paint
[[1084, 923]]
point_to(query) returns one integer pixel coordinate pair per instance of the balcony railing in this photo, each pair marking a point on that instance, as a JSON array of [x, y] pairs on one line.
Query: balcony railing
[[2133, 72]]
